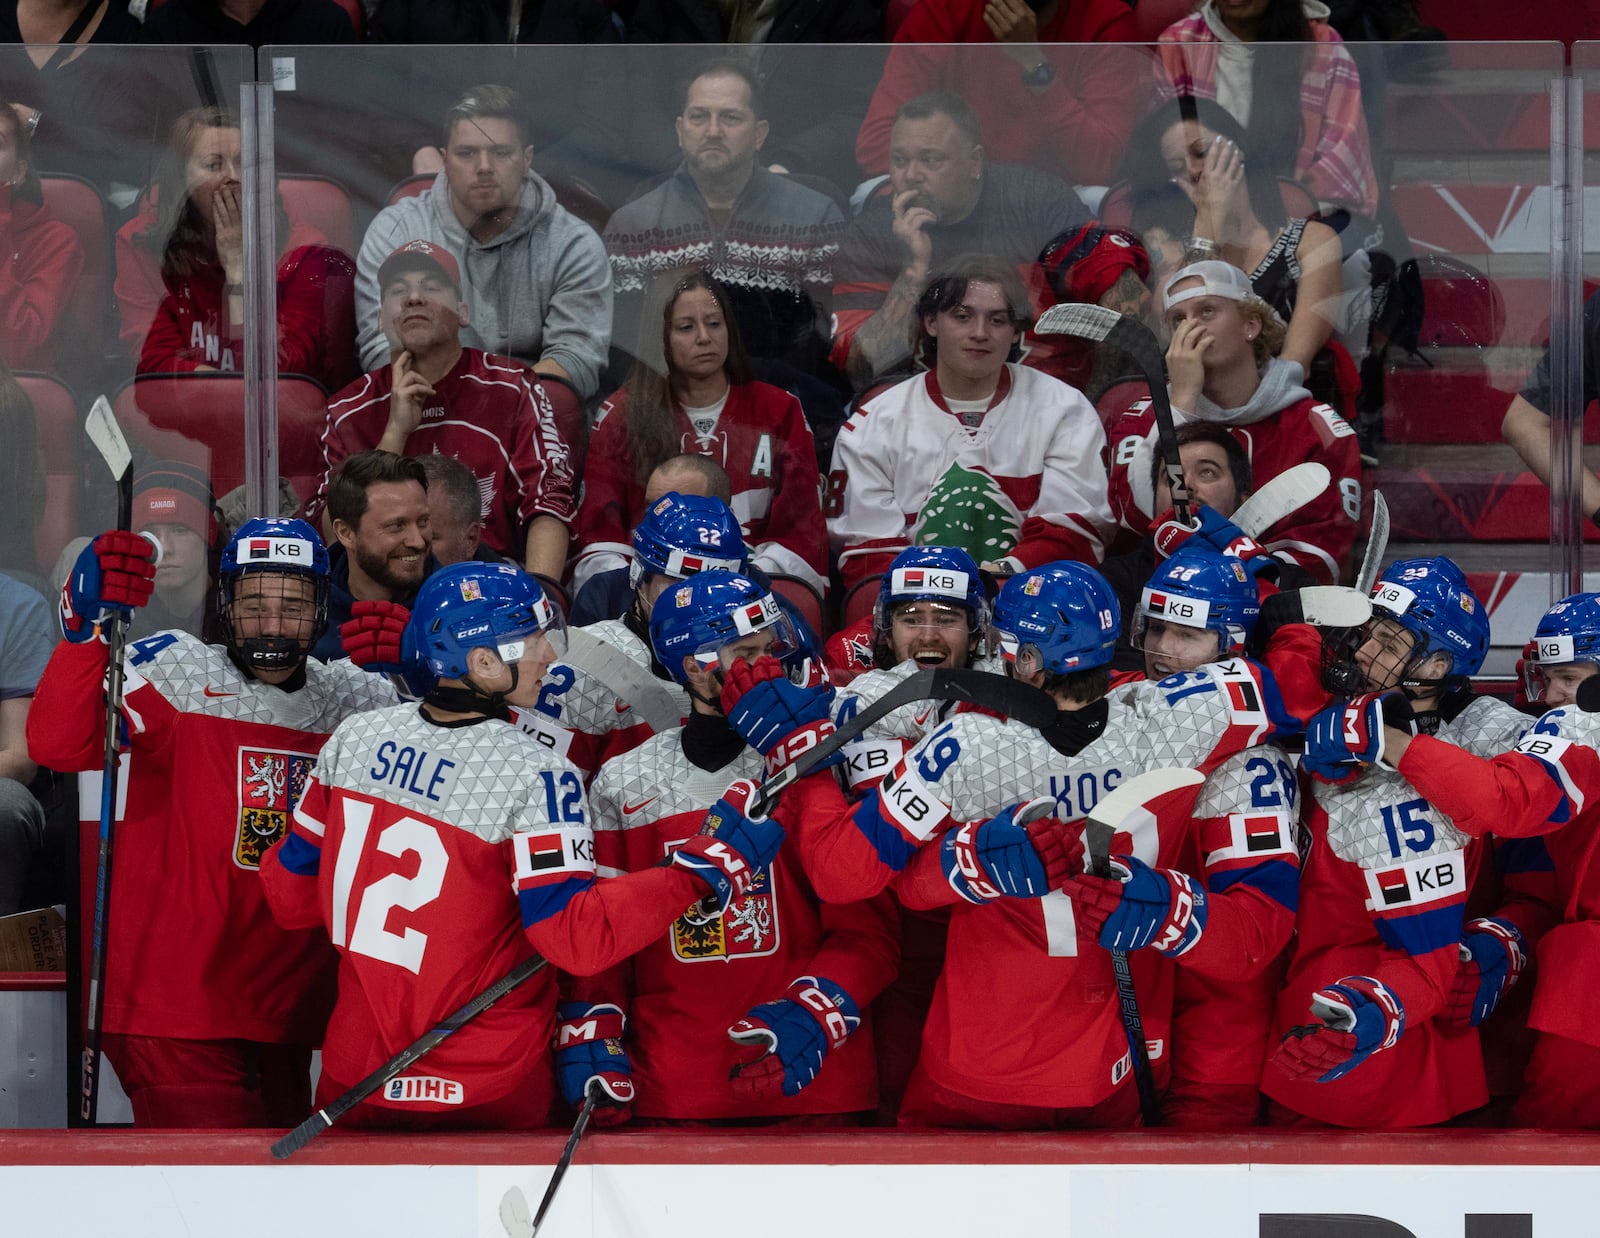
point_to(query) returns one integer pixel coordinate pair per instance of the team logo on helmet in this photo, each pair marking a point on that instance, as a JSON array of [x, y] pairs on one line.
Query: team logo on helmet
[[1031, 586], [683, 597], [271, 781], [471, 591]]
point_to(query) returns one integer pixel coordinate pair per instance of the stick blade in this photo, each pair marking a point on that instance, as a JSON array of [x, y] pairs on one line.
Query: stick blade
[[106, 435], [1088, 322], [1133, 795], [1281, 497], [1334, 606], [1377, 543]]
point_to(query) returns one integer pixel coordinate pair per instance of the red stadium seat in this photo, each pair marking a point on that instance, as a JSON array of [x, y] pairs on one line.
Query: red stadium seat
[[323, 204], [199, 418], [1119, 398], [858, 603], [78, 204], [806, 601], [55, 414], [1154, 16]]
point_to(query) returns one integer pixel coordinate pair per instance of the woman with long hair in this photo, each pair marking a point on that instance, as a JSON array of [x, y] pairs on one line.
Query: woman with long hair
[[40, 259], [1323, 142], [181, 267], [692, 390]]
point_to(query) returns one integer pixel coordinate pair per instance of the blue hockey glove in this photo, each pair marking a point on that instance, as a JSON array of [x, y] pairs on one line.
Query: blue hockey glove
[[732, 846], [112, 575], [792, 1036], [1358, 1017], [588, 1047], [1349, 734], [1492, 959], [1139, 906], [1210, 530], [779, 719], [986, 860]]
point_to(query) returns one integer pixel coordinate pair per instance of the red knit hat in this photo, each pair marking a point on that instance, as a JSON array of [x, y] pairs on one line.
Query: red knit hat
[[171, 492]]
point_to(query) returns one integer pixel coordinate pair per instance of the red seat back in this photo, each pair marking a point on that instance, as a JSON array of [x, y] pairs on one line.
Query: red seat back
[[55, 414], [78, 204], [806, 601], [323, 204], [858, 603]]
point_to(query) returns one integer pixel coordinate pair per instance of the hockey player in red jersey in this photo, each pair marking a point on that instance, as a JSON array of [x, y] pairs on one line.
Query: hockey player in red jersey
[[1384, 887], [211, 1009], [755, 1012], [439, 846]]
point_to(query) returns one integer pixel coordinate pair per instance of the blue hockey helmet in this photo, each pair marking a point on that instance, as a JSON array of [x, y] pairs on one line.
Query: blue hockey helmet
[[272, 547], [1431, 599], [476, 605], [1199, 588], [713, 610], [1568, 632], [945, 575], [1059, 618], [681, 534]]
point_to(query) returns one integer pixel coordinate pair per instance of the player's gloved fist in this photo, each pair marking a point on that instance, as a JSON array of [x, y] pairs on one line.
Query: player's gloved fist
[[372, 636], [1492, 959], [1138, 906], [1059, 846], [1210, 530], [112, 575], [589, 1053], [1358, 1017], [733, 845], [986, 860], [791, 1037], [779, 719], [1349, 734]]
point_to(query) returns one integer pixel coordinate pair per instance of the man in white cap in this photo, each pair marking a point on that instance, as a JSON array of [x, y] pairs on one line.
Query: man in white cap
[[1222, 367]]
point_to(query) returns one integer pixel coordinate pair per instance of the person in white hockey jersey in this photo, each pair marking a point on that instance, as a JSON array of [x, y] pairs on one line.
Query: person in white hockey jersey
[[439, 847], [978, 452]]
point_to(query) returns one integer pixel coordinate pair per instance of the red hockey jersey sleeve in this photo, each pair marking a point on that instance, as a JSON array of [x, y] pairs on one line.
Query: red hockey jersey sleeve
[[612, 499], [1533, 789], [67, 723]]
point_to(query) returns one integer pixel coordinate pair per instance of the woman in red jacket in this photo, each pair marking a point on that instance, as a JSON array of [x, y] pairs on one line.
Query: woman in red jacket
[[701, 397], [40, 259], [181, 261]]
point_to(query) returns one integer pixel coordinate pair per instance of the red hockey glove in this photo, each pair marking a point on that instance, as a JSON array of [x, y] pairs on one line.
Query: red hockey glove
[[372, 635], [112, 575], [1492, 960]]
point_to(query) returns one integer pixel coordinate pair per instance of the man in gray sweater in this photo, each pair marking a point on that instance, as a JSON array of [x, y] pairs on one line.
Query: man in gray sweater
[[535, 276]]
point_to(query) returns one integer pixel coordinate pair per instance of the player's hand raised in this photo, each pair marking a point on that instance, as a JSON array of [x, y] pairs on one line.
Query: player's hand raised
[[112, 576]]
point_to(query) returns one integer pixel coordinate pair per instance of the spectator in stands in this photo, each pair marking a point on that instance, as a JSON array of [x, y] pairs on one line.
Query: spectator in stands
[[945, 200], [180, 269], [769, 241], [429, 22], [1094, 264], [172, 503], [1323, 143], [22, 483], [1526, 425], [1236, 213], [534, 277], [27, 636], [1222, 367], [41, 257], [377, 504], [435, 395], [978, 453], [697, 394], [1065, 110], [455, 511], [259, 23]]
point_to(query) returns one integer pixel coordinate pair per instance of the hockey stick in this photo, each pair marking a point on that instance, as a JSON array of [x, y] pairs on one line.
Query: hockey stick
[[1377, 543], [591, 1097], [1281, 497], [1102, 823], [1128, 334], [107, 438], [979, 687]]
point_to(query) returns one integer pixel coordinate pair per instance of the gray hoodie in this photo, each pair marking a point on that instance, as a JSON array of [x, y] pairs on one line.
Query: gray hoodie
[[541, 290]]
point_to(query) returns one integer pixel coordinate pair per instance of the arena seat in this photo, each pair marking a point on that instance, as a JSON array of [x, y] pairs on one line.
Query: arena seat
[[78, 204], [1118, 398], [1464, 493], [59, 429], [324, 204], [1154, 16], [858, 603], [806, 601], [199, 418]]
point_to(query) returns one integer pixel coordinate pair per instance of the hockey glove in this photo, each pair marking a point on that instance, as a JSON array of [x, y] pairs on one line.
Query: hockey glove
[[1349, 734], [1210, 531], [1492, 959], [1359, 1017], [792, 1036], [372, 635], [779, 719], [1138, 906], [732, 847], [1059, 845], [986, 860], [113, 575], [588, 1045]]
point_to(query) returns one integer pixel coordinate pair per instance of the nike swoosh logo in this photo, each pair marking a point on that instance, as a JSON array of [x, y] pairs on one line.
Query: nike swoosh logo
[[924, 716], [623, 707], [629, 809], [210, 692]]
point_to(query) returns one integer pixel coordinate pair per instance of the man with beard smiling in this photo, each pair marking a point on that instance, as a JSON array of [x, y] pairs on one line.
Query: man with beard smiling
[[377, 506]]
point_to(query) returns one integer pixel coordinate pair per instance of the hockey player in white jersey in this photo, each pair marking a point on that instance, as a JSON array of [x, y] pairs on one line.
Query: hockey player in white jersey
[[439, 846]]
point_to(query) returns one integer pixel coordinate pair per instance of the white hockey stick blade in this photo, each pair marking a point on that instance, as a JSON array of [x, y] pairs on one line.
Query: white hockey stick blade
[[1281, 497], [1090, 322], [1377, 544], [1334, 606], [1127, 799], [106, 435], [514, 1214]]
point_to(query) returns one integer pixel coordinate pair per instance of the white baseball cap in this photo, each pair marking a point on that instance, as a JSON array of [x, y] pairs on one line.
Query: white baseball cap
[[1217, 279]]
